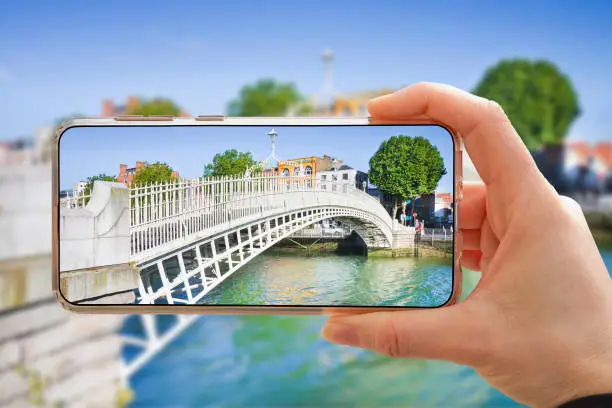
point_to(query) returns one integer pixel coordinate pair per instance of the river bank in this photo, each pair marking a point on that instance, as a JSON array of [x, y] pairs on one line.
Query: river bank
[[314, 247]]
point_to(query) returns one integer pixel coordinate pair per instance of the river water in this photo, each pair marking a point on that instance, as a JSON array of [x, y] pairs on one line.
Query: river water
[[276, 277], [234, 361]]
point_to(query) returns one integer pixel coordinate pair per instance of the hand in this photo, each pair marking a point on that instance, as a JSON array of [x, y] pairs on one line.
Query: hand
[[538, 326]]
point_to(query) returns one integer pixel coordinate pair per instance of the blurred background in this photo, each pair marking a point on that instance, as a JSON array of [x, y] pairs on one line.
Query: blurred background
[[547, 63]]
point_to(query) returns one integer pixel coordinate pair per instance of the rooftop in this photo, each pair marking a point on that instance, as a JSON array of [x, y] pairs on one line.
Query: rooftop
[[585, 151]]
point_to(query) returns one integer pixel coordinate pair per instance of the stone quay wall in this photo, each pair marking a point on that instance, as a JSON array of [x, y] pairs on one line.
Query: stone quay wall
[[48, 356]]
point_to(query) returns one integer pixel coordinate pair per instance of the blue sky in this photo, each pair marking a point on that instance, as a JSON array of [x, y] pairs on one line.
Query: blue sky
[[88, 151], [61, 58]]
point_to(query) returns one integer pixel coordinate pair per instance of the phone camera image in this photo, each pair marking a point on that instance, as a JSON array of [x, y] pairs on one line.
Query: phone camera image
[[251, 215]]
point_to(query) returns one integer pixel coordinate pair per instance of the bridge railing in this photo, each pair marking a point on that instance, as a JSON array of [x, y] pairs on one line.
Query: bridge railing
[[437, 234], [164, 212], [72, 200]]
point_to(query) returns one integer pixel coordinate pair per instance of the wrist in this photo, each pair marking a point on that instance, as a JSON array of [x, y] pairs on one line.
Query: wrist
[[592, 401], [590, 381]]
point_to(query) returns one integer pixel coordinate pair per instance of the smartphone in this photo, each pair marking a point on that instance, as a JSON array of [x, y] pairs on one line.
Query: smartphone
[[223, 215]]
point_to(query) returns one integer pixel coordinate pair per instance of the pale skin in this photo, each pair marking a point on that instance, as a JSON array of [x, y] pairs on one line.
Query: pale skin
[[538, 326]]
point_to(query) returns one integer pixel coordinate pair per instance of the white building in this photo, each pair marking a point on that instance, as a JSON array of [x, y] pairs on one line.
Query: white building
[[343, 178], [79, 187]]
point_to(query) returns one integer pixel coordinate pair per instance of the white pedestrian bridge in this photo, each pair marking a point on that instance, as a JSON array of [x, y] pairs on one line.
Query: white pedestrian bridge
[[187, 237]]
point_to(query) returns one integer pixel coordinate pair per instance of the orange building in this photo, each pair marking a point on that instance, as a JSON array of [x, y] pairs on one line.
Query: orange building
[[310, 164], [109, 109], [126, 175], [352, 104]]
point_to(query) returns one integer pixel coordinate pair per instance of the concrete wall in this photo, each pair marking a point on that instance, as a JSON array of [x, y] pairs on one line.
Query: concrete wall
[[98, 234], [48, 357], [25, 211], [95, 248]]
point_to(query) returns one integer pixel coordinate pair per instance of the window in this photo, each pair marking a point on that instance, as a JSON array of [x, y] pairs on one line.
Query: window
[[323, 177], [323, 187], [345, 188], [333, 187], [286, 173], [308, 171], [345, 176], [296, 171]]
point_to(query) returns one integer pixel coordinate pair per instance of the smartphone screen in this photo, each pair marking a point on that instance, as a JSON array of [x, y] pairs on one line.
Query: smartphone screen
[[309, 216]]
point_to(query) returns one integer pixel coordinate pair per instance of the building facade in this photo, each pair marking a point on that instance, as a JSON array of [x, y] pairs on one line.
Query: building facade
[[588, 167], [79, 187], [306, 168], [443, 209], [310, 165], [344, 177], [350, 104]]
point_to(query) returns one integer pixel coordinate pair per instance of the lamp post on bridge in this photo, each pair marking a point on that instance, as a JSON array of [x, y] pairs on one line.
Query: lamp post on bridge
[[272, 156]]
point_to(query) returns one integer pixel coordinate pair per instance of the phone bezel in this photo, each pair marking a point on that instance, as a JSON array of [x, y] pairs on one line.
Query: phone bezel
[[197, 309]]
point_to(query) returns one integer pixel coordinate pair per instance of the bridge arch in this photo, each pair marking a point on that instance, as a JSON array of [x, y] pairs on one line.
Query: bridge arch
[[186, 274]]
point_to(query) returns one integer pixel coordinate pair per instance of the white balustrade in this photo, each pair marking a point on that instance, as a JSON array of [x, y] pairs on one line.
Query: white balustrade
[[163, 213]]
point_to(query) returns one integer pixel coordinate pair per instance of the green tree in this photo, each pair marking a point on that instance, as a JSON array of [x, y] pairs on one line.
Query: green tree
[[406, 167], [267, 97], [155, 106], [157, 172], [90, 183], [539, 100], [229, 163]]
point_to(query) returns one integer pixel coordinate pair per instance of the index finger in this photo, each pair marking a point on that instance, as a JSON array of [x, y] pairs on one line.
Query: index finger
[[497, 151]]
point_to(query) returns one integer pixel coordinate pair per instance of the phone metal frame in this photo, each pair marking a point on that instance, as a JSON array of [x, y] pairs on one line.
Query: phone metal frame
[[217, 120]]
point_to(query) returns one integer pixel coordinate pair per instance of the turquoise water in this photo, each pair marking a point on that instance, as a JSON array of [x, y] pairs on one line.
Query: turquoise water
[[282, 361], [278, 278]]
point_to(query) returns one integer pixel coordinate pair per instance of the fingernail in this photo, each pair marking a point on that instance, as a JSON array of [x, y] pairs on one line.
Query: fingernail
[[341, 333]]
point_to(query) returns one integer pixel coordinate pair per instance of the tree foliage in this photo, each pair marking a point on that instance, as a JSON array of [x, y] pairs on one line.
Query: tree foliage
[[267, 97], [539, 100], [157, 172], [155, 106], [406, 167], [90, 182], [229, 163]]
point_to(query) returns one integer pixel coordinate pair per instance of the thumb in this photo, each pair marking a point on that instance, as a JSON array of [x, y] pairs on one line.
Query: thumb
[[451, 334]]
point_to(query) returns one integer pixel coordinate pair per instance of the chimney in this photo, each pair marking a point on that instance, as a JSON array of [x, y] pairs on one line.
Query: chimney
[[139, 165], [122, 171], [108, 109]]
